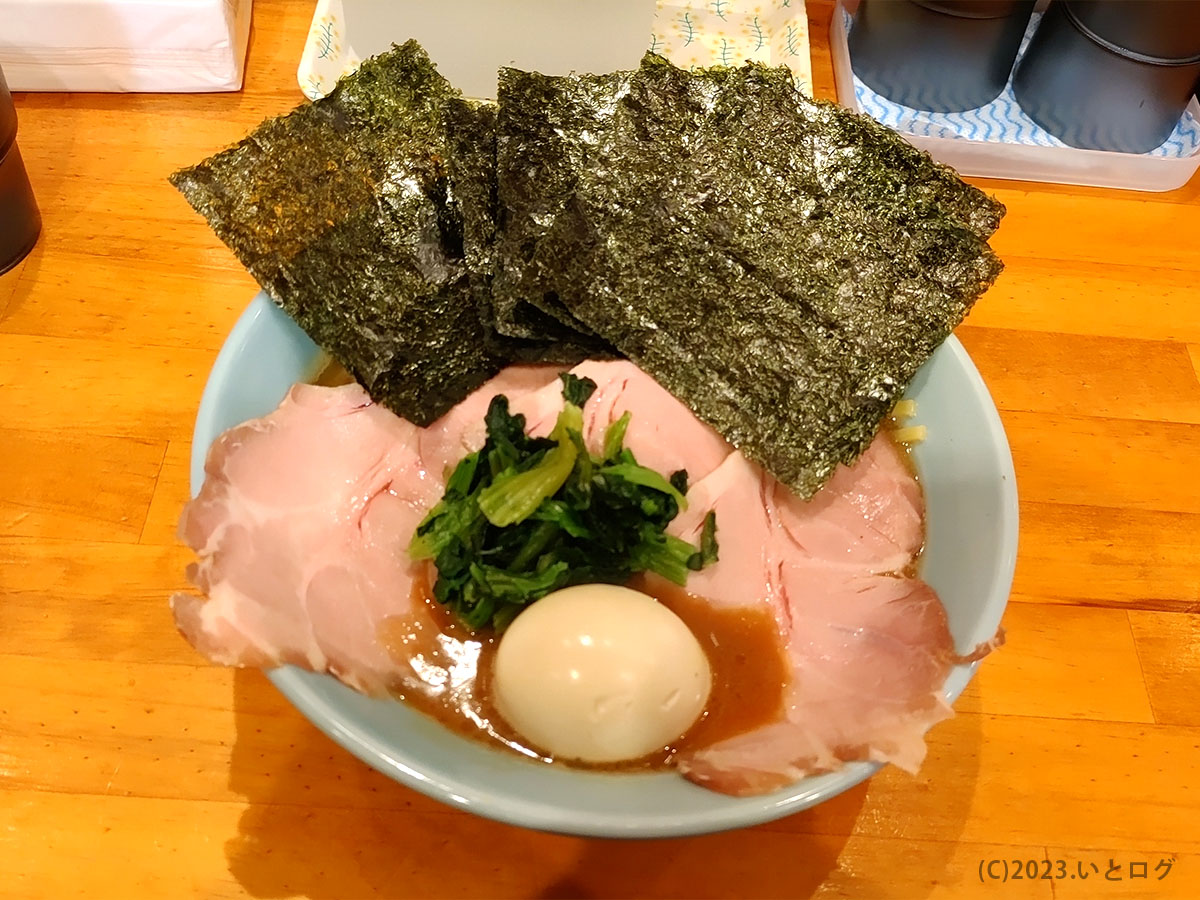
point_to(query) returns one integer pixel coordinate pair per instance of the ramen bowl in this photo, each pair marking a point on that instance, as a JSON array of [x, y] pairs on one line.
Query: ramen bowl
[[971, 540]]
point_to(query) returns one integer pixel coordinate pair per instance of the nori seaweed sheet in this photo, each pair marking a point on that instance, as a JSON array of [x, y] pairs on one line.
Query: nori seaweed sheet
[[521, 312], [471, 166], [470, 130], [781, 265], [339, 210]]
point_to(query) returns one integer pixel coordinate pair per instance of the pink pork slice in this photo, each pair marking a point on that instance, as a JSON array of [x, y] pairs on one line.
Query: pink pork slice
[[868, 647], [302, 526], [663, 434], [462, 430], [300, 531]]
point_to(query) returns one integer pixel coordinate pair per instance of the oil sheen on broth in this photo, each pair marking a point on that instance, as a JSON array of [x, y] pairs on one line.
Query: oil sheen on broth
[[452, 668]]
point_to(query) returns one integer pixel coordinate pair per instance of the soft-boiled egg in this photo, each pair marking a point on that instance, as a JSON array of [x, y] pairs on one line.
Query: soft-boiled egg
[[600, 673]]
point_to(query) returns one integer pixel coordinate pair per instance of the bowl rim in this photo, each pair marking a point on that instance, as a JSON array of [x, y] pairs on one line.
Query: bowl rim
[[297, 685]]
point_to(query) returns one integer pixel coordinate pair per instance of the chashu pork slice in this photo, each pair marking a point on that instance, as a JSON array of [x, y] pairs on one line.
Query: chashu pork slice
[[444, 442], [663, 434], [868, 517], [867, 647], [744, 574], [868, 657], [300, 532]]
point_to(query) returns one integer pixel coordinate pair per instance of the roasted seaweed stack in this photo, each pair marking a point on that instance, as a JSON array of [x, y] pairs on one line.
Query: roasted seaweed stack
[[471, 166], [339, 211], [783, 266]]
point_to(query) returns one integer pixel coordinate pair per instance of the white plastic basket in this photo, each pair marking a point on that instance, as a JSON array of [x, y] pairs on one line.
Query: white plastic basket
[[1026, 162]]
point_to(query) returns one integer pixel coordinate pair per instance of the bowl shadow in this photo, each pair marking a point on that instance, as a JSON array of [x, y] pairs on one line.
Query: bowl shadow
[[321, 824]]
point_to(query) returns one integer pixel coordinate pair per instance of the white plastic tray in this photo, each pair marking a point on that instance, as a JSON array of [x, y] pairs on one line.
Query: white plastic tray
[[470, 39], [1024, 162]]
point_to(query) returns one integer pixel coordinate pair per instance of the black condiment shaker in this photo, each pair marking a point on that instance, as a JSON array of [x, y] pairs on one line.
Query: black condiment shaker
[[20, 222], [937, 55], [1111, 74]]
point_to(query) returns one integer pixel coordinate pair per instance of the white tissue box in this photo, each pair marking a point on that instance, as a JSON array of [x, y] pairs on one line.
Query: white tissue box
[[124, 45]]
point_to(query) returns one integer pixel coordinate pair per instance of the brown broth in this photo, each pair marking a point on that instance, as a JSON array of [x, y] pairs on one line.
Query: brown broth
[[746, 656], [329, 372], [452, 671], [905, 452]]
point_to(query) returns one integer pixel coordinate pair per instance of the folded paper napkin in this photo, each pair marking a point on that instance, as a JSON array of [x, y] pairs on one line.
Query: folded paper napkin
[[124, 45], [1002, 121], [730, 32]]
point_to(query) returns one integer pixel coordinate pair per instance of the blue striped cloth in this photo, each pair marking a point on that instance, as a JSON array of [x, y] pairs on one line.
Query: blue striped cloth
[[1001, 121]]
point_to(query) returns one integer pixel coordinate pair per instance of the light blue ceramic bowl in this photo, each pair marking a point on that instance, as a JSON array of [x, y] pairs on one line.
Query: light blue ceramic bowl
[[971, 549]]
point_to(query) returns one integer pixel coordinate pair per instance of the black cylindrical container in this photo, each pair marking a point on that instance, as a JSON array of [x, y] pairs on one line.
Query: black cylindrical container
[[20, 221], [1165, 29], [939, 56], [1097, 77]]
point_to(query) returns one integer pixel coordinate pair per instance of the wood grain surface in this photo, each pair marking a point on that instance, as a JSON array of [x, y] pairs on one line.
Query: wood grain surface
[[129, 768]]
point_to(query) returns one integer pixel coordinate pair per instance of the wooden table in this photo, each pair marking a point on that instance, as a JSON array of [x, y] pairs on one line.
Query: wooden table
[[129, 768]]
